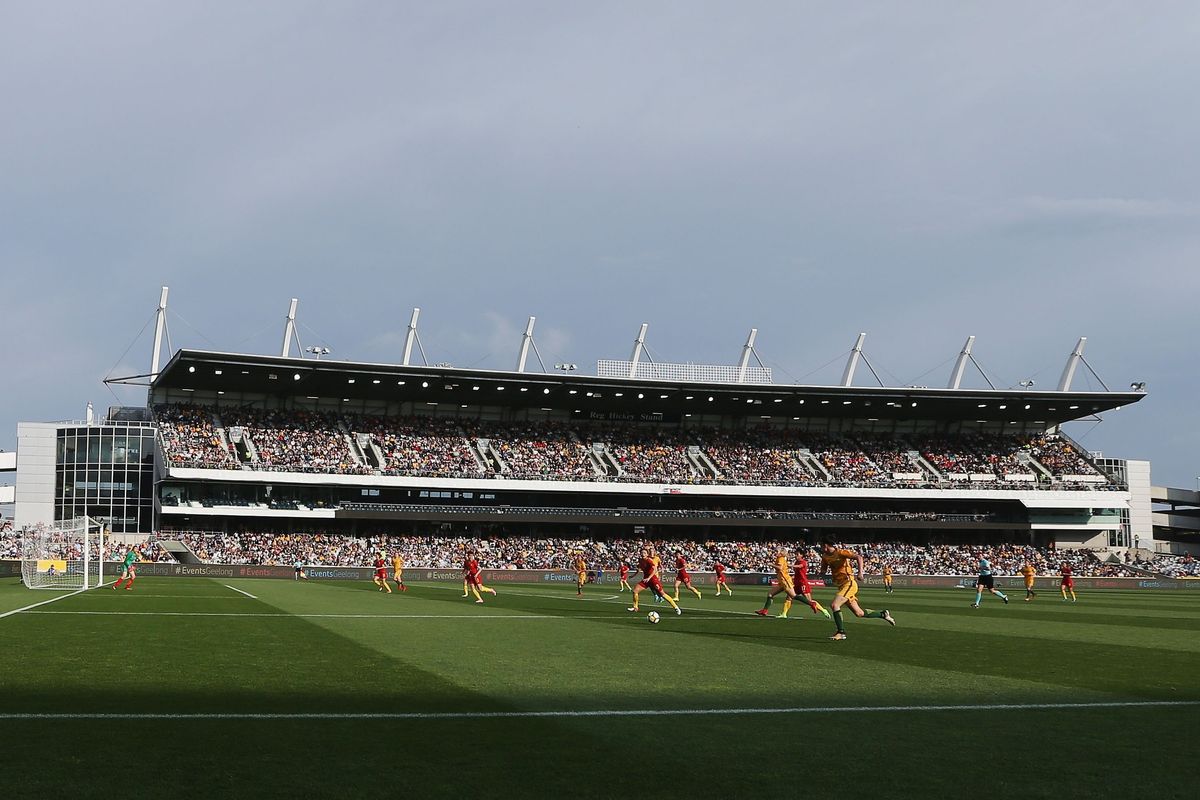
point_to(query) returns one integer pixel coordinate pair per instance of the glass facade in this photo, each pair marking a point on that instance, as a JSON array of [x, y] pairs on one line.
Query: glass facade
[[107, 473]]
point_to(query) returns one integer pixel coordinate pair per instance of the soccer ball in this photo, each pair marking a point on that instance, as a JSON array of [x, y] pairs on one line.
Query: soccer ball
[[653, 617]]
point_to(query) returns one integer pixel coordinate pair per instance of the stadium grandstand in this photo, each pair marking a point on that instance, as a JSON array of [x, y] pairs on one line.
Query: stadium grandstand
[[546, 502], [233, 442]]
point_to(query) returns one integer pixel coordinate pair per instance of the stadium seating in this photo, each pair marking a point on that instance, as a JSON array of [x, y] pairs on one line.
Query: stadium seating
[[288, 441], [1174, 566], [190, 439], [328, 549], [756, 456], [540, 451], [11, 543], [305, 441], [422, 446]]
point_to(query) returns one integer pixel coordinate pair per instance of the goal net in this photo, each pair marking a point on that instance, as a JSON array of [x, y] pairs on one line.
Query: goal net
[[63, 555]]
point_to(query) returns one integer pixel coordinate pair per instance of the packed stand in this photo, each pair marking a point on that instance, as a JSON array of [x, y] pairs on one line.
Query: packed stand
[[13, 544], [10, 540], [523, 552], [1184, 566], [955, 455], [1006, 559], [421, 446], [888, 453], [844, 461], [1057, 455], [649, 454], [755, 456], [450, 447], [295, 440], [537, 450], [189, 438], [1001, 453]]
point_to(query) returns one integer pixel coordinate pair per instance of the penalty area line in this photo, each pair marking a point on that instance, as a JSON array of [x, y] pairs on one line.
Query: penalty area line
[[239, 591], [281, 614], [665, 712]]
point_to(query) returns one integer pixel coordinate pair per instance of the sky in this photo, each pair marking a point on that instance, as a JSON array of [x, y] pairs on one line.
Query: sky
[[1023, 172]]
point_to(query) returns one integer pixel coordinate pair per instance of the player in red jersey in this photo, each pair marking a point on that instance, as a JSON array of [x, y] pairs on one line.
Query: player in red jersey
[[474, 577], [682, 578], [803, 587], [624, 570], [650, 580], [1067, 584], [380, 578], [719, 568]]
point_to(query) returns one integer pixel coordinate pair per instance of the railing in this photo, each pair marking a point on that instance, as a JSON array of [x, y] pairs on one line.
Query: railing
[[99, 423]]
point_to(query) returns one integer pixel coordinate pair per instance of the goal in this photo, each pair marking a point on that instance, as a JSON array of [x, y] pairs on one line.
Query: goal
[[64, 555]]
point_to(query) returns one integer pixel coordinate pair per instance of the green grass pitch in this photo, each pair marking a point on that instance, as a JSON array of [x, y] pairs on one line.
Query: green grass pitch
[[453, 685]]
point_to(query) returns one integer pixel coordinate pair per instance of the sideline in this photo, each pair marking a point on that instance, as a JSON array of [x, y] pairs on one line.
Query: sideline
[[43, 603], [666, 712]]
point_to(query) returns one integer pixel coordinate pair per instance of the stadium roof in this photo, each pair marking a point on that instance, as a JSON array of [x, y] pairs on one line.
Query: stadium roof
[[199, 370]]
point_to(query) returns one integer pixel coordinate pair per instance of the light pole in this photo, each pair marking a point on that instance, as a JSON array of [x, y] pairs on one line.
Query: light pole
[[318, 351], [565, 367]]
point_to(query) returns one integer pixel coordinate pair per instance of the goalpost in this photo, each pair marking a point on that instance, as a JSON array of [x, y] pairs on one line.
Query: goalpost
[[66, 555]]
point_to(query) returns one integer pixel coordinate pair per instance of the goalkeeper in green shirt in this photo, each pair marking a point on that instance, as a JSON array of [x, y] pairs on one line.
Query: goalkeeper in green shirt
[[128, 569]]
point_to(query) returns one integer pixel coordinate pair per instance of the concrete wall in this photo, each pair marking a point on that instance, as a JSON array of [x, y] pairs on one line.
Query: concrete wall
[[36, 442], [1141, 525], [1073, 540]]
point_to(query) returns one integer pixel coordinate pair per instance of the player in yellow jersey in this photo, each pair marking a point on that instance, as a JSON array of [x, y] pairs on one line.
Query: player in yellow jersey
[[657, 560], [1028, 573], [783, 581], [580, 574], [839, 562], [887, 578], [398, 572]]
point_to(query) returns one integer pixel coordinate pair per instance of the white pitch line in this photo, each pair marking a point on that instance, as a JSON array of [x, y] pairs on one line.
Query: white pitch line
[[649, 604], [665, 712], [239, 591], [472, 617], [42, 603], [181, 596]]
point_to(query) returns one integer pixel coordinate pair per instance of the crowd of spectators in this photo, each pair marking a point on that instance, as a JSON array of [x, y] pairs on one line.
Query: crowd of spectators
[[10, 543], [844, 461], [1057, 455], [425, 446], [954, 456], [1184, 566], [57, 545], [449, 447], [755, 456], [296, 440], [888, 453], [1006, 559], [650, 454], [537, 451], [522, 552], [189, 438]]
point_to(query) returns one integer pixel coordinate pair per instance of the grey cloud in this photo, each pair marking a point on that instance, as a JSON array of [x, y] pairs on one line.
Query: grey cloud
[[1020, 171]]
